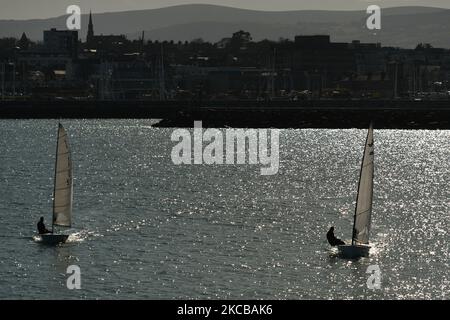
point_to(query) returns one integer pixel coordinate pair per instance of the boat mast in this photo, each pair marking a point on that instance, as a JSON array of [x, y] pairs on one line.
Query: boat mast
[[359, 183], [162, 84], [54, 178]]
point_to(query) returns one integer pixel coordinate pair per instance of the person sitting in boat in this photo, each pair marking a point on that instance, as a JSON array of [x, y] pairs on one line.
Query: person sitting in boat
[[332, 240], [41, 227]]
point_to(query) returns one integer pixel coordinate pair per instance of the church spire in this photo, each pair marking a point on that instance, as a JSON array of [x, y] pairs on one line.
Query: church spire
[[24, 42], [90, 33]]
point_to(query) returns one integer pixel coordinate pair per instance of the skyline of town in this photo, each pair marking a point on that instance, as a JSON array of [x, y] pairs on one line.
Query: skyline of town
[[113, 67], [399, 27]]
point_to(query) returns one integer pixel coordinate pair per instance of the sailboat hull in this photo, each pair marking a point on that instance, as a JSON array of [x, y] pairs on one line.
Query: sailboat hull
[[353, 251], [53, 239]]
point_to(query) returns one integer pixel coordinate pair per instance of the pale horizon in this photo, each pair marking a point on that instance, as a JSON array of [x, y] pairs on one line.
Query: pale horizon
[[44, 9]]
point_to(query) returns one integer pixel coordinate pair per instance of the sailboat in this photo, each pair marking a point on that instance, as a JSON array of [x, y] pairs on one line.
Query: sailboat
[[363, 211], [63, 189]]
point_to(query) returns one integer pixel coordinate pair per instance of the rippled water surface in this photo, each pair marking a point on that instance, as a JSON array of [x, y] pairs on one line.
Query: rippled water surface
[[146, 228]]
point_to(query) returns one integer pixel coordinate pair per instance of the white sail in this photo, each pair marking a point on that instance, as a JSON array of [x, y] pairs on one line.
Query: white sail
[[363, 210], [62, 198]]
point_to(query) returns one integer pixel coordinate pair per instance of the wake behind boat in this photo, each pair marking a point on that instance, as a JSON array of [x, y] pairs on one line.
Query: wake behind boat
[[362, 218], [63, 190]]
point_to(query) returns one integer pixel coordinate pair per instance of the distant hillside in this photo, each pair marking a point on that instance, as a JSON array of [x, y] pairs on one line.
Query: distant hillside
[[403, 26]]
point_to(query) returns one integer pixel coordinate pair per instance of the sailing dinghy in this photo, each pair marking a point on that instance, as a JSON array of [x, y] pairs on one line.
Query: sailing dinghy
[[63, 189], [362, 218]]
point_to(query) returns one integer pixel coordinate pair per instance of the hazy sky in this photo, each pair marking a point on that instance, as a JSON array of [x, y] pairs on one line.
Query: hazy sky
[[27, 9]]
